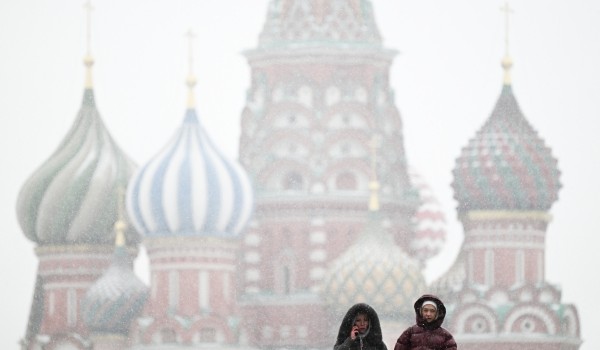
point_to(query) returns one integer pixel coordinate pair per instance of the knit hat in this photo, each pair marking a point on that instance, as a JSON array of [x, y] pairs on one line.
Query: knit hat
[[429, 302]]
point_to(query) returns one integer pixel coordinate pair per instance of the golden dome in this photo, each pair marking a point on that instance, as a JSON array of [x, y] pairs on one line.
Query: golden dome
[[376, 271]]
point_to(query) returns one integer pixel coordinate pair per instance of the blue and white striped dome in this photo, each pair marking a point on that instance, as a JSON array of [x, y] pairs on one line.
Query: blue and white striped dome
[[190, 189]]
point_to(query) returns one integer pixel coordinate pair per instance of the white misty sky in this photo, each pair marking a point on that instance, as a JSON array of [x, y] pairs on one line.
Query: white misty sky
[[446, 78]]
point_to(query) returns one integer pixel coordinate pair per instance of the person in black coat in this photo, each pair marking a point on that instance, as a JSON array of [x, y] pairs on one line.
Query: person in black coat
[[360, 330]]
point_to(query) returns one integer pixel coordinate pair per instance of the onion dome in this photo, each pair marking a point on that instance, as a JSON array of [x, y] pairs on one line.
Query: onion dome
[[506, 166], [311, 23], [429, 221], [374, 270], [116, 298], [190, 188], [72, 197]]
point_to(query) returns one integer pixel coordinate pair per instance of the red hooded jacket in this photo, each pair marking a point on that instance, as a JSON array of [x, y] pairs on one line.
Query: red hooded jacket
[[427, 336]]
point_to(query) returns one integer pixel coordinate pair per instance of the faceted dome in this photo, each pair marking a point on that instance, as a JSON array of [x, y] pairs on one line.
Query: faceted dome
[[190, 189], [376, 271], [73, 197], [310, 23], [116, 298], [506, 166], [429, 221]]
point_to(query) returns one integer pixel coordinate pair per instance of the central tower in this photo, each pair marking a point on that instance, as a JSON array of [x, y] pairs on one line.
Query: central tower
[[319, 93]]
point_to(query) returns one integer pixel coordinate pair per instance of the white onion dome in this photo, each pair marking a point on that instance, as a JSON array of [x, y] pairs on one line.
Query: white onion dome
[[190, 189], [73, 197], [116, 298], [377, 271]]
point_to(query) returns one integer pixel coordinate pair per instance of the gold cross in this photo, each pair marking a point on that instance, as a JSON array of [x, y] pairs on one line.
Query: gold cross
[[507, 11], [191, 80], [191, 36], [88, 9]]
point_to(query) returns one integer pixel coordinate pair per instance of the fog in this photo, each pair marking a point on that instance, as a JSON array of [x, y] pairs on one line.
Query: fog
[[447, 78]]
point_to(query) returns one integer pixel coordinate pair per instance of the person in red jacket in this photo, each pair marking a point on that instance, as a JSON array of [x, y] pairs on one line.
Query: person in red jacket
[[428, 332]]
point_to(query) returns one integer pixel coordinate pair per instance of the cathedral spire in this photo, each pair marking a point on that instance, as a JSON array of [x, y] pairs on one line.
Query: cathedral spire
[[506, 61], [191, 79], [88, 59]]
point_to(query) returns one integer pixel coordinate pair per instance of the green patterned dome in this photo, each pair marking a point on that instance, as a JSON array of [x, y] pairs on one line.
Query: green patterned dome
[[376, 271], [73, 197], [507, 165]]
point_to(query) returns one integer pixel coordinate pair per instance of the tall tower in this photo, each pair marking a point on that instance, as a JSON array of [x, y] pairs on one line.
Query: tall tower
[[376, 271], [68, 207], [319, 91], [505, 182], [191, 203]]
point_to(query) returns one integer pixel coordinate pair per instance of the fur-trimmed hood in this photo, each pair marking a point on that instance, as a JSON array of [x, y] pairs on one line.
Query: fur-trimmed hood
[[441, 312], [373, 336]]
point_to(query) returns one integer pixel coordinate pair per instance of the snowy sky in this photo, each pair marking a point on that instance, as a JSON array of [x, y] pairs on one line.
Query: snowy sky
[[446, 78]]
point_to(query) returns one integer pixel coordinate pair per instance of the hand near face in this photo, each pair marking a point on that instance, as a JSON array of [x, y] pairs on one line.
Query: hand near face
[[353, 332], [361, 325]]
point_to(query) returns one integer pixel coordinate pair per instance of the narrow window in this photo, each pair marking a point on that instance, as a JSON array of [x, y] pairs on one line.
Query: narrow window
[[520, 267], [292, 181], [173, 290], [489, 267], [203, 291], [71, 307]]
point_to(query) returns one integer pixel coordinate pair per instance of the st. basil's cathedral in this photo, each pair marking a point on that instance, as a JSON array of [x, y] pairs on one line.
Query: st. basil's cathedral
[[320, 211]]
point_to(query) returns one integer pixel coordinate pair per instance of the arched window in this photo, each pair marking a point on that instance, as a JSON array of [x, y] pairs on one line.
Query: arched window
[[520, 267], [489, 267], [203, 291], [167, 335], [72, 307], [173, 290], [292, 118], [284, 272], [208, 335], [287, 280], [345, 182], [293, 181]]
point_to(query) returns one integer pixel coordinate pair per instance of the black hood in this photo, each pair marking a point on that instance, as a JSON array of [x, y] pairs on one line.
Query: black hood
[[441, 312], [373, 337]]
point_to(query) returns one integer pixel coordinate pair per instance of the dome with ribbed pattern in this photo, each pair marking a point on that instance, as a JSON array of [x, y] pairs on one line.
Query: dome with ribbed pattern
[[73, 197], [116, 298], [376, 271], [506, 166], [190, 189]]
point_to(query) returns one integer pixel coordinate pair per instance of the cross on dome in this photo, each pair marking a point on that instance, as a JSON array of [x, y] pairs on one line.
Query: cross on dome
[[88, 59], [191, 79], [506, 61]]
